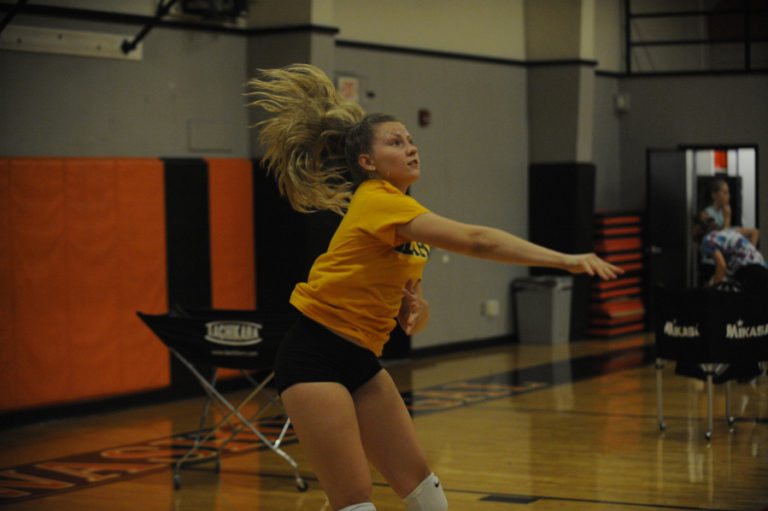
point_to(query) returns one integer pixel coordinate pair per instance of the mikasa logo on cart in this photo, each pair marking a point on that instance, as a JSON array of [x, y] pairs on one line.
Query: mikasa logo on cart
[[672, 329], [233, 333], [740, 331]]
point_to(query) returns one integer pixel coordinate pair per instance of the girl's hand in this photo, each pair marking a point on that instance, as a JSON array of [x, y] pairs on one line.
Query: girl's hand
[[414, 309], [592, 265]]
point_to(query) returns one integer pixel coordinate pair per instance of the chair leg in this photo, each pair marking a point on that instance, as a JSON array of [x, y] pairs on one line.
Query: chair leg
[[711, 370], [728, 414], [659, 397], [710, 391], [215, 396], [207, 405]]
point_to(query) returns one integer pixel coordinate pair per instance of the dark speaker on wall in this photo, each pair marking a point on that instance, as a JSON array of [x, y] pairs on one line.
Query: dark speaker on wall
[[561, 201], [215, 9]]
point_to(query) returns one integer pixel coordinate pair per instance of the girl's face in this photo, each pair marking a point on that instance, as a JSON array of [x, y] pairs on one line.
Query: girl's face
[[393, 156], [722, 196]]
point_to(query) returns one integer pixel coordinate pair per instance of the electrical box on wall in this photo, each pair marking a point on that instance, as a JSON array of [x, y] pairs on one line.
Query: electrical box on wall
[[490, 308]]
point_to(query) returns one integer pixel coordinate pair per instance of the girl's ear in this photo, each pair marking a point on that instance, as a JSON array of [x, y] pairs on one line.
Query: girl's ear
[[366, 162]]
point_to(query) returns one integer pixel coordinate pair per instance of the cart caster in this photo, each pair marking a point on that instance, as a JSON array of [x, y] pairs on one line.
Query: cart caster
[[662, 426], [176, 481], [301, 484], [708, 435]]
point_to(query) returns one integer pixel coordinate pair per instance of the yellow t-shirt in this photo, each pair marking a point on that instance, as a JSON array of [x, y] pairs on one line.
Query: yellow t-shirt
[[355, 286]]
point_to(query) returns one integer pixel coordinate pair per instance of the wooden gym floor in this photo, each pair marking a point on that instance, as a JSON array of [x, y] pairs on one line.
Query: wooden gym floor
[[510, 428]]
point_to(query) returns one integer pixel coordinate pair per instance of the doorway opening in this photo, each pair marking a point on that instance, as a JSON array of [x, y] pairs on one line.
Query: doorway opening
[[737, 166], [677, 181]]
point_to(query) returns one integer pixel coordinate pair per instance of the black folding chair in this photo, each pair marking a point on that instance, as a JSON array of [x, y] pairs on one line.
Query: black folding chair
[[231, 339]]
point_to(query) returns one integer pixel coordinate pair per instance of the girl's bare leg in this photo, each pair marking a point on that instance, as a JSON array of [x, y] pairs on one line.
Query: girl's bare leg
[[389, 435], [324, 418]]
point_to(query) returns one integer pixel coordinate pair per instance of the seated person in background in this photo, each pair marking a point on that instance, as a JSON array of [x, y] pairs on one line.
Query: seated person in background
[[734, 256], [719, 210], [737, 260]]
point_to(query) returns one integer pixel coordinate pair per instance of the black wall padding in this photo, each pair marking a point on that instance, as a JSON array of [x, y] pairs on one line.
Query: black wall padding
[[287, 242], [188, 249], [561, 200]]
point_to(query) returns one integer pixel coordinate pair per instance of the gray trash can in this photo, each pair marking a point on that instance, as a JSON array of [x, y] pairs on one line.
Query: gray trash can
[[543, 306]]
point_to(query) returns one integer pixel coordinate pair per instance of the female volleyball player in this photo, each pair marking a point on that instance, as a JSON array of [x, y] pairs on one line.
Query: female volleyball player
[[325, 153]]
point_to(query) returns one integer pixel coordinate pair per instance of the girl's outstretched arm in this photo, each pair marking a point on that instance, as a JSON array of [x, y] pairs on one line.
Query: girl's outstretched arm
[[497, 245]]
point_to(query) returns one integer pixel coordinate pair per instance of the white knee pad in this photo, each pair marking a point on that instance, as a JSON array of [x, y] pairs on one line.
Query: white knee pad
[[363, 506], [427, 496]]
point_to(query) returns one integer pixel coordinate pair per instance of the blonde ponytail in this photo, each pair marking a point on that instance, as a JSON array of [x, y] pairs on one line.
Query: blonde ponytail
[[305, 138]]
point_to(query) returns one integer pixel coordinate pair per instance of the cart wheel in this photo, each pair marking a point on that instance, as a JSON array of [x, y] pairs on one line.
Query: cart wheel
[[176, 481], [708, 435], [301, 485], [217, 467], [662, 426]]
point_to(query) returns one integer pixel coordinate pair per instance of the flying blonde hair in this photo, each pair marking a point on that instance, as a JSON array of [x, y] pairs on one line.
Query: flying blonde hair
[[306, 138]]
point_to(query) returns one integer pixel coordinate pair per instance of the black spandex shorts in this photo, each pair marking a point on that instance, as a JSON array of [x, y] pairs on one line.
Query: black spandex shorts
[[311, 353]]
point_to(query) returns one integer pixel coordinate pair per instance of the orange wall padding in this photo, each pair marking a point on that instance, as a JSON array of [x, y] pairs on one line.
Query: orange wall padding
[[7, 347], [230, 189], [83, 249]]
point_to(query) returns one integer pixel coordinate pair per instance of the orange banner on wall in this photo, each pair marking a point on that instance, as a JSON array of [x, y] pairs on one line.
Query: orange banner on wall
[[230, 202]]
